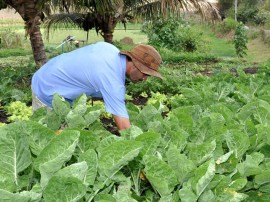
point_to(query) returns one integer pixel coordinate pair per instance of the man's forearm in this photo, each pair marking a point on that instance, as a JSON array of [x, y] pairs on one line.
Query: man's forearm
[[121, 122]]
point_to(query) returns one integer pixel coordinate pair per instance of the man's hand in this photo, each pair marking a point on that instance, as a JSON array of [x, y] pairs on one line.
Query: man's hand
[[121, 122]]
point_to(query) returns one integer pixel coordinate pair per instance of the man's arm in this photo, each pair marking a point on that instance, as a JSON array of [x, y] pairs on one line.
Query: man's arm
[[121, 122]]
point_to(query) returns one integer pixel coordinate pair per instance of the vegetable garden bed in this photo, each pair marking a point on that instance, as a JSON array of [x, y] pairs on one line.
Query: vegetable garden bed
[[213, 144]]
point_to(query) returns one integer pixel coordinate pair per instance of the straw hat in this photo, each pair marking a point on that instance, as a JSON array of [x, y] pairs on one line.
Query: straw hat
[[145, 58]]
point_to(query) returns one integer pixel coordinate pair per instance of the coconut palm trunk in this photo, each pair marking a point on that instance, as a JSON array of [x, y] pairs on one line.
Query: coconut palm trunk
[[108, 29], [30, 13]]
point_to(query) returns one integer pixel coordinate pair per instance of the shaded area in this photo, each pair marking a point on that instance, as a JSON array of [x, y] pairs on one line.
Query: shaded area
[[3, 116]]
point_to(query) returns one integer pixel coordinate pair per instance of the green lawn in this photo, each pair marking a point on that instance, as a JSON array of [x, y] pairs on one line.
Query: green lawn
[[219, 47]]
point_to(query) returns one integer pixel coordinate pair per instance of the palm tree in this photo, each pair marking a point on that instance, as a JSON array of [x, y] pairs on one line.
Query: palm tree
[[103, 15], [31, 13]]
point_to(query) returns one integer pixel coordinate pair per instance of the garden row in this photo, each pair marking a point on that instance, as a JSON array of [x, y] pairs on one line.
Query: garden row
[[197, 138]]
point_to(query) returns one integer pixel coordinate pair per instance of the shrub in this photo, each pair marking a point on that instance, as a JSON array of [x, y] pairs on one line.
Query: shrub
[[162, 32], [260, 19], [174, 34], [247, 14], [240, 40], [252, 15], [227, 25]]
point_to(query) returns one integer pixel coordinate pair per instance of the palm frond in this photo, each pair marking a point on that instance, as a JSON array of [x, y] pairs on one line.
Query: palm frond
[[150, 8], [63, 21]]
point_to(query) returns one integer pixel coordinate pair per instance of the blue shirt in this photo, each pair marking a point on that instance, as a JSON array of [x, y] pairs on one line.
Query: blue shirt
[[98, 70]]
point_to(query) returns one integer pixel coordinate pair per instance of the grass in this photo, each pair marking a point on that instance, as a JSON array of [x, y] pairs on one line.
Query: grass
[[56, 37], [258, 51], [219, 47], [15, 52]]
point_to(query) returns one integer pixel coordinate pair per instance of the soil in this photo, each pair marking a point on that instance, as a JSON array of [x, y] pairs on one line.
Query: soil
[[247, 70], [109, 123], [251, 70], [139, 100], [3, 116]]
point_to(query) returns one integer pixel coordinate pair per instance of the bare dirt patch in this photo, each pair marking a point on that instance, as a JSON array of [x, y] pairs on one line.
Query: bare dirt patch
[[9, 14]]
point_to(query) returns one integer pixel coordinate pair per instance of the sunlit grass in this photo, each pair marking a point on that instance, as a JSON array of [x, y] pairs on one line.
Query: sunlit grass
[[220, 47], [56, 37], [258, 51]]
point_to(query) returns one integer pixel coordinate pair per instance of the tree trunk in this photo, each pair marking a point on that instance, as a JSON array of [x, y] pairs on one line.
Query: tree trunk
[[108, 37], [235, 10], [30, 12], [108, 29], [36, 41]]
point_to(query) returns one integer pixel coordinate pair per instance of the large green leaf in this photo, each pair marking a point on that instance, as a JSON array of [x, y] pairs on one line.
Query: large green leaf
[[77, 170], [15, 155], [232, 196], [101, 197], [186, 194], [226, 163], [64, 189], [238, 184], [250, 166], [181, 165], [90, 157], [60, 106], [148, 114], [160, 175], [222, 109], [203, 176], [116, 155], [9, 196], [53, 156], [131, 133], [187, 116], [192, 95], [87, 140], [202, 152], [257, 196], [38, 136], [52, 120], [123, 192], [237, 141], [262, 178], [207, 196], [166, 198], [91, 116], [150, 142], [79, 105], [226, 190], [262, 136], [174, 133], [260, 109], [75, 120]]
